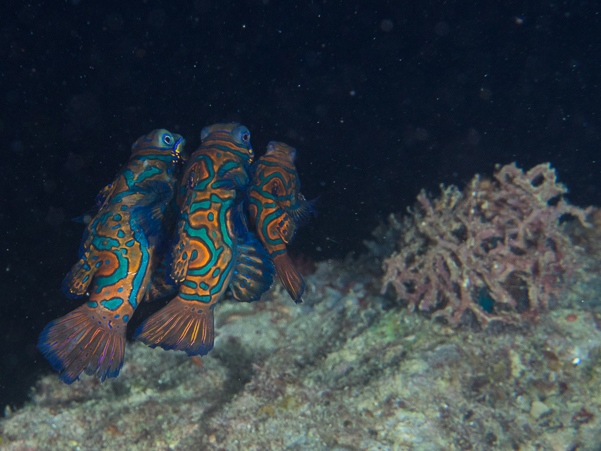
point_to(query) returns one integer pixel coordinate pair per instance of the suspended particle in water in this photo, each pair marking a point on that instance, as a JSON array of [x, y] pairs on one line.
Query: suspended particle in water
[[386, 25]]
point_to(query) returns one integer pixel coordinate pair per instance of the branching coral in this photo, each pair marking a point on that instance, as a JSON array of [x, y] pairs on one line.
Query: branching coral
[[498, 249]]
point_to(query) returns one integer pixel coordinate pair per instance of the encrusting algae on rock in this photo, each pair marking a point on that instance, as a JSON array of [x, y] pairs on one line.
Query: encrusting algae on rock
[[331, 377]]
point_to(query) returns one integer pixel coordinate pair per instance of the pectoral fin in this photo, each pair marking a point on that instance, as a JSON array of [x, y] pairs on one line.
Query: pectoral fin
[[303, 210], [286, 228], [181, 259], [231, 176], [149, 211], [104, 195], [76, 282], [253, 274]]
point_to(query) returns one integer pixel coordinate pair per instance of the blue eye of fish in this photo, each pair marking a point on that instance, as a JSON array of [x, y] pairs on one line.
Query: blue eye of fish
[[242, 135], [167, 139]]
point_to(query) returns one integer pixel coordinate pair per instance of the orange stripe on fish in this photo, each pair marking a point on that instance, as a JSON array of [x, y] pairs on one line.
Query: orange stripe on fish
[[117, 257], [276, 208], [206, 250]]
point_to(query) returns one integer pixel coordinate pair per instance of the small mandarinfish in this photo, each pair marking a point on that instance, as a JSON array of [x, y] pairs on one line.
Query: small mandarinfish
[[119, 251], [276, 208], [212, 249]]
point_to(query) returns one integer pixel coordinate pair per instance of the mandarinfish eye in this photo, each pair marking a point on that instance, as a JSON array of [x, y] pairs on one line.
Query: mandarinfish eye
[[242, 135], [167, 139]]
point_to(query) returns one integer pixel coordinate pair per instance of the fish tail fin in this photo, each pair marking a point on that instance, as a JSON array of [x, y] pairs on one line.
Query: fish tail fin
[[290, 277], [83, 341], [182, 326]]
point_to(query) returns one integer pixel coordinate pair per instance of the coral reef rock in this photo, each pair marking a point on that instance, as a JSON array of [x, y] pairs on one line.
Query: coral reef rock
[[335, 373]]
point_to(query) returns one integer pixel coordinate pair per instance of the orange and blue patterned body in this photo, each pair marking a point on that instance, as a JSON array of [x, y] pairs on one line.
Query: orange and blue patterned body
[[276, 207], [206, 247], [117, 258]]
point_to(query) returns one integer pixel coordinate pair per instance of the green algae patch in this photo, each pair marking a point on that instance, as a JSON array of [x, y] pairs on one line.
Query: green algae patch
[[389, 327]]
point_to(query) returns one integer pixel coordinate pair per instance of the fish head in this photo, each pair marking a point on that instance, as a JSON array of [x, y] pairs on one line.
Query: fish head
[[283, 156], [160, 142], [281, 150], [235, 135]]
